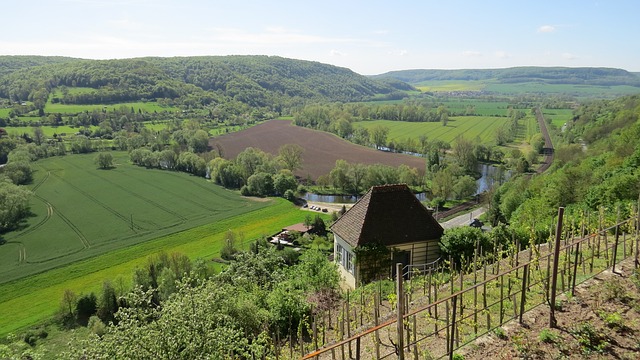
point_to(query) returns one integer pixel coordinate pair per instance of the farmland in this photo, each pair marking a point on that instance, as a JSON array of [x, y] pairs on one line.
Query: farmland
[[321, 149], [471, 126], [81, 212], [43, 291]]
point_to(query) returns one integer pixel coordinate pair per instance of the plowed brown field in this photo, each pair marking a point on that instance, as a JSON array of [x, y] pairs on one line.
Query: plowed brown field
[[321, 149]]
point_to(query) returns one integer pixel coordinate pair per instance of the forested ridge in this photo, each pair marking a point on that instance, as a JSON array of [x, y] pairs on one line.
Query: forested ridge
[[547, 75], [260, 81]]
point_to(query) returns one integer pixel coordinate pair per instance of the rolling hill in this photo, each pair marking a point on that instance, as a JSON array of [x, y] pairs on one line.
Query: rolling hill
[[548, 75], [260, 81]]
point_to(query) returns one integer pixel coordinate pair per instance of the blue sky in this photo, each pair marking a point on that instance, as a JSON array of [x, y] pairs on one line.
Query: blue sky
[[369, 37]]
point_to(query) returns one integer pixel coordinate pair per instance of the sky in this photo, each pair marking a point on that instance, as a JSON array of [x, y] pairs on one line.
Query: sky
[[369, 37]]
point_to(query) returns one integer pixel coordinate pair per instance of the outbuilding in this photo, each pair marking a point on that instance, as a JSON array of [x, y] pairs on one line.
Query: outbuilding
[[386, 226]]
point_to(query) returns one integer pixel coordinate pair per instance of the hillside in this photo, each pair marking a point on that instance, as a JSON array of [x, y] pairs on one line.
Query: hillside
[[547, 75], [254, 80]]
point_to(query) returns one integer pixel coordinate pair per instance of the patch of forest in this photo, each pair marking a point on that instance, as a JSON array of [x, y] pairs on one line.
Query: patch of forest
[[259, 81]]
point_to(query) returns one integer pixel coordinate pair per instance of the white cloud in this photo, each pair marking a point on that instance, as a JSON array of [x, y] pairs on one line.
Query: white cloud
[[569, 56], [334, 52], [547, 28], [502, 54]]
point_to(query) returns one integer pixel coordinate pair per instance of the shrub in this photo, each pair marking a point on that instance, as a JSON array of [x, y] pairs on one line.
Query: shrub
[[460, 243]]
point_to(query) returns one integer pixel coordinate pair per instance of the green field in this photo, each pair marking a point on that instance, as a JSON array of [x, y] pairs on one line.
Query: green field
[[49, 131], [558, 116], [74, 109], [4, 113], [80, 211], [449, 85], [91, 225], [43, 292], [482, 107], [569, 89], [470, 126]]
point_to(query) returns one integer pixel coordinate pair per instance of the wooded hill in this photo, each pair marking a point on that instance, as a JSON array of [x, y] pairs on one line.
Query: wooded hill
[[254, 80], [547, 75]]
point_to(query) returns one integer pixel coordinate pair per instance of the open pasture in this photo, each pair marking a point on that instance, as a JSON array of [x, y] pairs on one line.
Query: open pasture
[[322, 149], [558, 116], [43, 292], [4, 113], [449, 85], [48, 131], [482, 107], [469, 126], [149, 107], [570, 89], [80, 211]]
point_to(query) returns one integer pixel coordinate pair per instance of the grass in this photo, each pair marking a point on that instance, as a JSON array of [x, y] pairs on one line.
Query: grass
[[449, 85], [43, 291], [570, 89], [48, 131], [470, 126], [558, 116], [4, 113], [81, 211], [149, 107]]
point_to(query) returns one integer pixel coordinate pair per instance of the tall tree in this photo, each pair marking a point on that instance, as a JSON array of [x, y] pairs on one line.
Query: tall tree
[[291, 156], [379, 135]]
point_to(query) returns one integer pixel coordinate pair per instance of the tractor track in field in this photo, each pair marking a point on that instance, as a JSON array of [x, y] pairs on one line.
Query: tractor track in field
[[101, 204], [148, 201], [204, 207]]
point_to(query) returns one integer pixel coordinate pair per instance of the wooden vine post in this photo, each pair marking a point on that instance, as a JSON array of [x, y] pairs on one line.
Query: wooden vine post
[[554, 276]]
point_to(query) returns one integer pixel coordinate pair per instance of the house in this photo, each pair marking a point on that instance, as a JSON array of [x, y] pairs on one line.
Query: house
[[284, 236], [386, 226]]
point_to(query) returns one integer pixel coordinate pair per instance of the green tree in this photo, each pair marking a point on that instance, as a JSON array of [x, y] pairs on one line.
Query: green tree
[[104, 160], [14, 204], [284, 181], [465, 186], [291, 156], [199, 141], [442, 184], [379, 135]]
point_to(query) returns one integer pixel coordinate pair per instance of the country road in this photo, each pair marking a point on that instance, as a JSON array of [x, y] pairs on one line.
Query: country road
[[464, 219]]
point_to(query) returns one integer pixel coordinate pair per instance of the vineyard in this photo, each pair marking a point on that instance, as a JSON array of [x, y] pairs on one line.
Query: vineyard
[[444, 308]]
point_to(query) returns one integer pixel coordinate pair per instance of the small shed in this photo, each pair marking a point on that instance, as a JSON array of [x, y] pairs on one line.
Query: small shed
[[392, 220]]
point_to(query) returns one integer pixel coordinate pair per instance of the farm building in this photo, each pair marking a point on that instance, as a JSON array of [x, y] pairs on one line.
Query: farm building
[[386, 226]]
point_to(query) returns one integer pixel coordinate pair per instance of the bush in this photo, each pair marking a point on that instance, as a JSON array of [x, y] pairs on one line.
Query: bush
[[460, 243], [289, 195], [96, 326]]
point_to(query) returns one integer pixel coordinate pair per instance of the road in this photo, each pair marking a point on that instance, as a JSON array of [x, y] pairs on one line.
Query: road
[[463, 220]]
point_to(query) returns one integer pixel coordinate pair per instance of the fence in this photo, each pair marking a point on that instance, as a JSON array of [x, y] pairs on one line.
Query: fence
[[473, 304]]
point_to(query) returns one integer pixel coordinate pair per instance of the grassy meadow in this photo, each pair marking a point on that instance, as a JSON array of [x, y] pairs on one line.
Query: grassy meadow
[[80, 211], [470, 126], [91, 225], [558, 116], [449, 85], [43, 292]]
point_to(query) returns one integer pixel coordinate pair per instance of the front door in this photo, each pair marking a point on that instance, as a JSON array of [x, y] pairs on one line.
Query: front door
[[403, 257]]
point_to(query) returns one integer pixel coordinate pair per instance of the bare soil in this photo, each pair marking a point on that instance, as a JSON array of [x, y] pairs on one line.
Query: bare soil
[[602, 321], [322, 149]]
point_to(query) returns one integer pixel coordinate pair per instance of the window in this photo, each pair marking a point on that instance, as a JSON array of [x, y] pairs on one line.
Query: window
[[349, 262], [339, 250]]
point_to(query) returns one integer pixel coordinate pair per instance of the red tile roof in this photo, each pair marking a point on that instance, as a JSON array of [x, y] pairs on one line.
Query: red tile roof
[[389, 215]]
